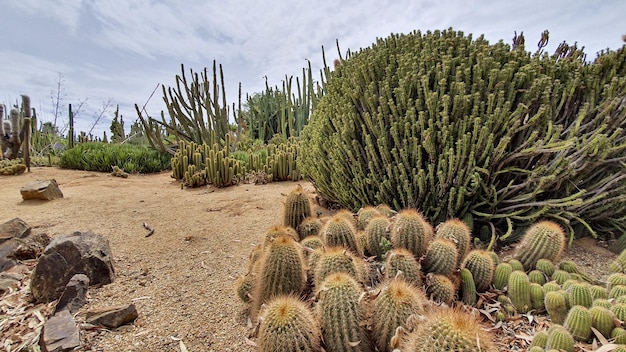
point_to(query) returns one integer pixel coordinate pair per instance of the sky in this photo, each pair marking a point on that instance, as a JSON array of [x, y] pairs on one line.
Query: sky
[[119, 51]]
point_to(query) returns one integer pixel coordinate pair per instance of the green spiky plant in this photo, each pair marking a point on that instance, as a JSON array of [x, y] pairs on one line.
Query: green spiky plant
[[338, 231], [501, 275], [401, 260], [537, 276], [539, 340], [244, 288], [561, 276], [395, 303], [411, 231], [551, 286], [377, 229], [310, 227], [458, 232], [288, 325], [441, 257], [440, 288], [542, 240], [341, 315], [480, 264], [518, 290], [556, 306], [336, 259], [448, 329], [578, 322], [580, 294], [297, 208], [516, 264], [546, 266], [312, 242], [615, 279], [364, 215], [559, 339], [468, 287], [603, 320], [536, 296]]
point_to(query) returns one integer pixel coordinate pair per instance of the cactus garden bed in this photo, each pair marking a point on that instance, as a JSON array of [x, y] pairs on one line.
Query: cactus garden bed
[[182, 277]]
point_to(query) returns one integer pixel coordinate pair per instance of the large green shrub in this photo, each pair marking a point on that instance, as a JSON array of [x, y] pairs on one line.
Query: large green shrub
[[96, 156], [455, 126]]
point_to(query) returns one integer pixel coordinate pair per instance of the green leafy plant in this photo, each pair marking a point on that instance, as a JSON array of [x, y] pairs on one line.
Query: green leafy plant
[[98, 156]]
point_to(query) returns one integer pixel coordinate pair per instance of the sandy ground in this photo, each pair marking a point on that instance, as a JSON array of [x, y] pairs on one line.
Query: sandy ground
[[181, 278]]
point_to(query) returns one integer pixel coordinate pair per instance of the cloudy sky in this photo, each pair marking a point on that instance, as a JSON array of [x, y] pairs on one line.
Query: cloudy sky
[[120, 50]]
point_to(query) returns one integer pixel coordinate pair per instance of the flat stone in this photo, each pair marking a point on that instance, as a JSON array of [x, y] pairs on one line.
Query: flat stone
[[60, 333], [73, 298], [42, 190], [112, 317]]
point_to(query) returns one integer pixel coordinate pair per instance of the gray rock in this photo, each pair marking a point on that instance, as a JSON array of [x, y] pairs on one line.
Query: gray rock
[[60, 333], [14, 228], [17, 243], [112, 317], [78, 253], [73, 297], [42, 190]]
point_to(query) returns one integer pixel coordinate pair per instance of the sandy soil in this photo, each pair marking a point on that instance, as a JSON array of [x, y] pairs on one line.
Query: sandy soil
[[180, 278]]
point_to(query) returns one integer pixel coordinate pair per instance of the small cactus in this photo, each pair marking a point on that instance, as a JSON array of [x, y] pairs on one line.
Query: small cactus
[[536, 296], [297, 208], [619, 335], [615, 279], [560, 276], [536, 349], [279, 230], [395, 303], [501, 275], [377, 229], [386, 210], [458, 232], [579, 295], [572, 268], [618, 265], [603, 320], [482, 267], [619, 309], [401, 260], [519, 291], [243, 287], [336, 259], [556, 306], [339, 232], [341, 315], [559, 339], [441, 257], [364, 215], [539, 340], [537, 277], [309, 227], [617, 291], [449, 329], [516, 264], [543, 240], [440, 288], [578, 323], [411, 231], [551, 286], [598, 292], [312, 242], [287, 325], [468, 287], [602, 302], [546, 266]]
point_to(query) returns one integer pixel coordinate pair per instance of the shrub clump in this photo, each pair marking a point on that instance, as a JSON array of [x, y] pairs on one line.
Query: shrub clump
[[97, 156]]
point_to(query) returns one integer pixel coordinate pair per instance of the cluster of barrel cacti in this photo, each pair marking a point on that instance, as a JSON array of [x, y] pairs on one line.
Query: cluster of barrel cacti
[[197, 165], [12, 167]]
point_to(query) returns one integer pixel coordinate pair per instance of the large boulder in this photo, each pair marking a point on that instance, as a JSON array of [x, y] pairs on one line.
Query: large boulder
[[77, 253]]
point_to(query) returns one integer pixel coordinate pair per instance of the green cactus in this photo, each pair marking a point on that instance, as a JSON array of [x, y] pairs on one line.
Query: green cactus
[[495, 257], [561, 276], [364, 215], [340, 314], [559, 339], [281, 272], [615, 279], [468, 287], [551, 286], [539, 340], [279, 230], [603, 320], [449, 329], [501, 275], [618, 265], [243, 287], [536, 349], [572, 268], [598, 292], [339, 232], [617, 290], [516, 264], [619, 309], [395, 303], [309, 227], [519, 291], [543, 240], [412, 231], [401, 260], [287, 325], [578, 323], [312, 242], [481, 265], [440, 288], [377, 229], [580, 295], [618, 335], [336, 259], [602, 302], [556, 306], [546, 266], [348, 215], [297, 208], [458, 232], [620, 299], [441, 257], [386, 210], [536, 296], [537, 276]]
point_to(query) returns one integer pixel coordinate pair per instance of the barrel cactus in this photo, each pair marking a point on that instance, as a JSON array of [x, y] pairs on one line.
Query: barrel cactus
[[543, 240], [297, 208]]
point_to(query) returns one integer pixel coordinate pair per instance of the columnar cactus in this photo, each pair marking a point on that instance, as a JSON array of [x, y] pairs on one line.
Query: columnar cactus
[[287, 325], [395, 303], [543, 240], [458, 232], [468, 287], [412, 231], [297, 208], [341, 315], [536, 296]]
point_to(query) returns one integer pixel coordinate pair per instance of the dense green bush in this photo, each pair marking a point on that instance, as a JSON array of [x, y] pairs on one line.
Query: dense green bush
[[96, 156], [456, 126]]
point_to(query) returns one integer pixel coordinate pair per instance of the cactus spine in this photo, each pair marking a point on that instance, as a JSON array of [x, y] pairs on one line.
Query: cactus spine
[[288, 325], [458, 232], [376, 230], [543, 240], [410, 230], [297, 208], [339, 232], [441, 257], [578, 323], [560, 276], [556, 306], [539, 340], [481, 265], [501, 275], [519, 291], [341, 315], [396, 302], [401, 260]]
